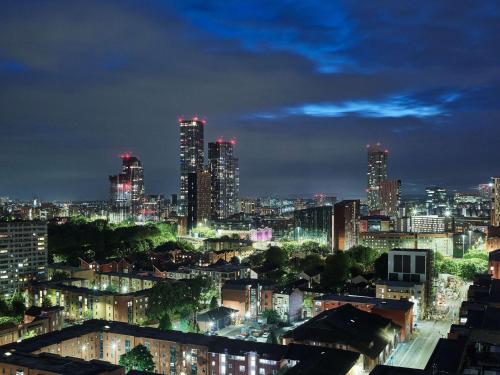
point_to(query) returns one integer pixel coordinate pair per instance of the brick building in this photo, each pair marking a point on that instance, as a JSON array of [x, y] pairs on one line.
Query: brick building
[[250, 297]]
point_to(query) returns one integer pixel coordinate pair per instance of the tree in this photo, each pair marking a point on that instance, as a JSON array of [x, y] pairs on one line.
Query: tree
[[336, 271], [4, 307], [275, 257], [214, 303], [17, 304], [139, 358], [381, 266], [271, 316], [60, 275], [312, 263], [46, 302], [165, 323], [364, 257]]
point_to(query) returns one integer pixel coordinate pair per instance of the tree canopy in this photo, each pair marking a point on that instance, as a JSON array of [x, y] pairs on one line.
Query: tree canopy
[[139, 358]]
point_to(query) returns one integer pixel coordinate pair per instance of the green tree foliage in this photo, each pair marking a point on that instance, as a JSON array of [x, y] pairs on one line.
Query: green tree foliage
[[17, 304], [475, 262], [214, 303], [182, 298], [46, 303], [336, 271], [381, 266], [165, 322], [271, 316], [139, 358], [311, 264], [99, 239], [4, 307], [275, 257], [363, 257], [59, 275]]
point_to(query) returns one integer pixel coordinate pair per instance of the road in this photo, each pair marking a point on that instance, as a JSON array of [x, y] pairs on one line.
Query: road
[[416, 352]]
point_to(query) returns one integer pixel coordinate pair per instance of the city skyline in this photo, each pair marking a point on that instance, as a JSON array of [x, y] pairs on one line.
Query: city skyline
[[307, 91]]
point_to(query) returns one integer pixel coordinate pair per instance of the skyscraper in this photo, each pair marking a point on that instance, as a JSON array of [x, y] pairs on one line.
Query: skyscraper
[[199, 198], [437, 200], [192, 155], [390, 197], [377, 173], [127, 190], [224, 172], [495, 203]]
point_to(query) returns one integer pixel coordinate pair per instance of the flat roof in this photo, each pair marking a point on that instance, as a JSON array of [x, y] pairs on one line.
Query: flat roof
[[387, 304]]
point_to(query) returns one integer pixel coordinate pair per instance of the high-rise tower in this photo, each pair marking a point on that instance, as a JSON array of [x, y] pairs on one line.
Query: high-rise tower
[[127, 190], [191, 155], [224, 171], [495, 204], [377, 173]]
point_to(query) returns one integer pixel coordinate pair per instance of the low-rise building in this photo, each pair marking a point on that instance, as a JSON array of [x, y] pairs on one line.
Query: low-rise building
[[288, 302], [349, 328], [175, 352], [494, 264], [216, 319], [404, 290], [250, 297], [400, 312]]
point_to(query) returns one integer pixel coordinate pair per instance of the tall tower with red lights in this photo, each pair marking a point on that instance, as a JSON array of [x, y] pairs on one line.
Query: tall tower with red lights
[[192, 155], [377, 173], [224, 172]]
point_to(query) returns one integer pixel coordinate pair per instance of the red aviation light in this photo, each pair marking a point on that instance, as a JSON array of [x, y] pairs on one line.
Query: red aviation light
[[195, 118], [125, 156], [180, 119], [220, 141], [233, 141]]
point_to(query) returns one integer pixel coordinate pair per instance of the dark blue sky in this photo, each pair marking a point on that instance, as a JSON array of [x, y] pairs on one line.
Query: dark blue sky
[[302, 85]]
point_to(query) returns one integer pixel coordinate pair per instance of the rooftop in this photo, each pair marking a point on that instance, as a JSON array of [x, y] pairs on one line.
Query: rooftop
[[365, 332], [386, 304]]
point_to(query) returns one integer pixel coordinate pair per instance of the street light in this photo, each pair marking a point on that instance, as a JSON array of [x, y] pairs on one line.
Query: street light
[[463, 245]]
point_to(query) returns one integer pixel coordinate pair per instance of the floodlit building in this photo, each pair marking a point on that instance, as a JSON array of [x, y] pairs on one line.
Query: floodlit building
[[127, 190], [314, 224], [377, 173], [224, 171], [199, 198], [437, 200], [345, 224], [390, 197], [495, 203], [192, 156], [23, 254]]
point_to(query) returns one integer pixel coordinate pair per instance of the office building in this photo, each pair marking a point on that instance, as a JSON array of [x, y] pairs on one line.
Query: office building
[[436, 200], [495, 202], [192, 156], [425, 224], [199, 198], [390, 197], [314, 224], [345, 224], [377, 173], [374, 223], [224, 171], [23, 254], [127, 191], [485, 190]]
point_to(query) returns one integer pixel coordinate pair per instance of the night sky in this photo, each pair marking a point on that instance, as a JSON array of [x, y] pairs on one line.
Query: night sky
[[302, 85]]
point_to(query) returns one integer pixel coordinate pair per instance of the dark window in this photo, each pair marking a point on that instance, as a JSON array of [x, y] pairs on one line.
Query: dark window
[[393, 276], [398, 263], [406, 263], [415, 278], [420, 264], [406, 277]]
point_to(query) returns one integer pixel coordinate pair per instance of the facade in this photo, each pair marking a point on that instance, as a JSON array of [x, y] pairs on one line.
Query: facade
[[315, 224], [495, 202], [250, 297], [81, 303], [199, 198], [192, 156], [23, 254], [383, 241], [345, 224], [127, 190], [404, 290], [377, 173], [390, 197], [174, 352], [288, 303], [424, 224], [224, 171], [374, 223]]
